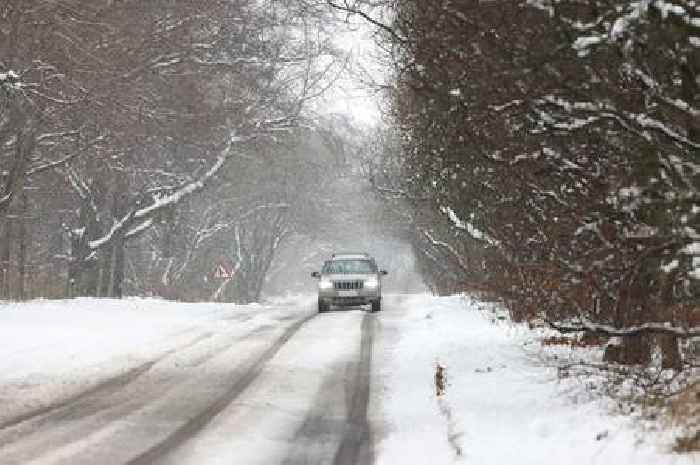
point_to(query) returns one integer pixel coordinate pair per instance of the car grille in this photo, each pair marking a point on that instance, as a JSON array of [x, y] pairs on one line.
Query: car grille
[[343, 285]]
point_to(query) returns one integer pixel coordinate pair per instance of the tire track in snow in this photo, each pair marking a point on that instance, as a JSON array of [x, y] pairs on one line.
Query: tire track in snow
[[356, 445], [348, 384], [111, 383], [240, 384], [109, 401], [102, 388], [56, 438]]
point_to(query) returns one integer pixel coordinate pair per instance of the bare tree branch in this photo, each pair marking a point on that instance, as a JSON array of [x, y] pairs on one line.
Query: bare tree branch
[[357, 11]]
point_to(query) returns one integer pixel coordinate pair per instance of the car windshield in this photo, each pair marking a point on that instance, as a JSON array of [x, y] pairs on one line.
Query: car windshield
[[349, 266]]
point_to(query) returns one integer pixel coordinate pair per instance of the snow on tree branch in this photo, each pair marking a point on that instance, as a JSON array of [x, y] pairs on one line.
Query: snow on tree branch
[[186, 190], [136, 230], [468, 227], [621, 22], [10, 80], [636, 122], [646, 328], [654, 86], [144, 214], [5, 199], [457, 256]]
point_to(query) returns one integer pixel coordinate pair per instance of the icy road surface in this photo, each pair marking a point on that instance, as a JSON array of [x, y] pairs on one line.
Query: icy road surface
[[151, 382]]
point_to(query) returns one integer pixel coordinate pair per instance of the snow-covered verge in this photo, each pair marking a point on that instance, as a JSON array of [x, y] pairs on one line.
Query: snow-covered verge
[[52, 350], [504, 403]]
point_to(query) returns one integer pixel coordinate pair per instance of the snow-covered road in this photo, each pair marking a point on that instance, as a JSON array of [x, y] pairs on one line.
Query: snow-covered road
[[144, 381]]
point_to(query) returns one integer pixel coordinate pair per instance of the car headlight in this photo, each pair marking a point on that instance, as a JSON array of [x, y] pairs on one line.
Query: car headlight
[[372, 282], [325, 284]]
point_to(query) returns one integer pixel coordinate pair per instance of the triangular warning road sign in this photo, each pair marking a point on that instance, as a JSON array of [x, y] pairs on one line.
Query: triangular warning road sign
[[222, 271]]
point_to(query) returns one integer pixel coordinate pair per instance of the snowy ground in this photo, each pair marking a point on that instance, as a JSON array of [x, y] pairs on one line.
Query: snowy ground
[[146, 381], [501, 405]]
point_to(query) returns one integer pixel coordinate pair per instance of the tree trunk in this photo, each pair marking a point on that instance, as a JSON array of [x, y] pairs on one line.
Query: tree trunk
[[105, 285], [636, 350], [90, 277], [22, 257], [5, 250], [83, 276], [74, 265], [670, 352], [118, 262]]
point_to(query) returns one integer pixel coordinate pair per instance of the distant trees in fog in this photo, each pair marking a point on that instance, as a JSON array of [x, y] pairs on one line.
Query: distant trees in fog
[[548, 155]]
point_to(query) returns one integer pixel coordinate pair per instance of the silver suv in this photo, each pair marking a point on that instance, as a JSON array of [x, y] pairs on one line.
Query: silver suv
[[349, 279]]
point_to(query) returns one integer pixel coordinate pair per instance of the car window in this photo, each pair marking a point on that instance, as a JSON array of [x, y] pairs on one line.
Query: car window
[[349, 266]]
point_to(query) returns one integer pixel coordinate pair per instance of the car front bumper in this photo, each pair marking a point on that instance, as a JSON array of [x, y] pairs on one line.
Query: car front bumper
[[359, 297]]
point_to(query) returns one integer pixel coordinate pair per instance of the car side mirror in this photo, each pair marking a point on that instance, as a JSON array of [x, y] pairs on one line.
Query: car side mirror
[[315, 274], [384, 272]]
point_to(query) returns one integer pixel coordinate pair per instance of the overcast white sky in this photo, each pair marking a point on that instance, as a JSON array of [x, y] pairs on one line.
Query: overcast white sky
[[351, 95]]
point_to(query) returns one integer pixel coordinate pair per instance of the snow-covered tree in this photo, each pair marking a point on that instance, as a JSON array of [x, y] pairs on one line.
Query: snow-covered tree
[[558, 143], [136, 107]]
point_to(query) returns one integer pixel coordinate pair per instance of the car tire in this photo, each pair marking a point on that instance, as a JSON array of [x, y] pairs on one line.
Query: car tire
[[322, 306], [376, 305]]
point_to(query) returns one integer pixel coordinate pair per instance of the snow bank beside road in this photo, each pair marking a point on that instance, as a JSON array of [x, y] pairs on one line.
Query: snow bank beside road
[[501, 406], [48, 336]]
